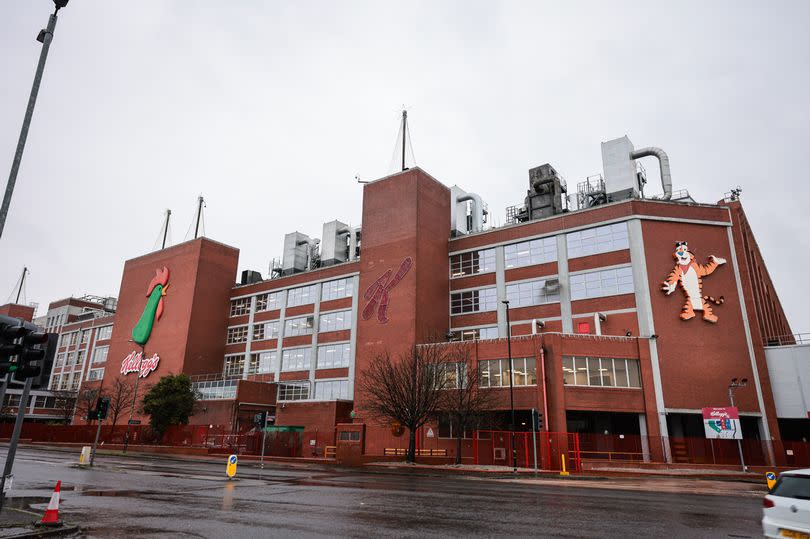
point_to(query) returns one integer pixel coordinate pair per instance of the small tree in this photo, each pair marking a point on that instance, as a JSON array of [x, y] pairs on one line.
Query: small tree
[[169, 402], [405, 389], [463, 400], [120, 392]]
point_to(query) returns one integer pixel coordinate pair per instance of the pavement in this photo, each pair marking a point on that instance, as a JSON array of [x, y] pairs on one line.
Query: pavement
[[153, 496]]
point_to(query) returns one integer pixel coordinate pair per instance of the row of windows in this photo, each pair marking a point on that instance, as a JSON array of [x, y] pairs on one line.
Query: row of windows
[[495, 372], [597, 284], [267, 330], [65, 381], [293, 391], [529, 253], [335, 321], [533, 293], [340, 288], [473, 262], [326, 390], [304, 295], [474, 334], [474, 301], [601, 372], [302, 325], [330, 356], [591, 241], [216, 390], [39, 401], [593, 284]]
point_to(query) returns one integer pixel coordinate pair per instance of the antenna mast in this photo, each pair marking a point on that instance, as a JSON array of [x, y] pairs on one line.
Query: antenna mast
[[166, 228], [200, 202], [22, 282], [404, 135]]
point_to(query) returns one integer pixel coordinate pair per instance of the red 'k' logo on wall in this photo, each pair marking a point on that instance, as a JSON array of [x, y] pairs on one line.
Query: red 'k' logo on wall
[[377, 294]]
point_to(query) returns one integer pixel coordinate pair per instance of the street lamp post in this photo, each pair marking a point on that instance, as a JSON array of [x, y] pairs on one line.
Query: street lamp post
[[45, 37], [735, 384], [511, 384]]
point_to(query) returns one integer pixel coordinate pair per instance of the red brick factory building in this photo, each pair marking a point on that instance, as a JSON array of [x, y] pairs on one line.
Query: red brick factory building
[[599, 345]]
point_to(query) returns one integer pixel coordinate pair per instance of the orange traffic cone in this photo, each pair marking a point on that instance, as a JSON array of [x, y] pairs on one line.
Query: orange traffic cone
[[51, 517]]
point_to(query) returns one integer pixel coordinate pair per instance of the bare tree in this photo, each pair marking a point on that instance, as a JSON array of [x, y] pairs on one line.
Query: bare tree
[[120, 393], [65, 404], [86, 403], [463, 400], [405, 389]]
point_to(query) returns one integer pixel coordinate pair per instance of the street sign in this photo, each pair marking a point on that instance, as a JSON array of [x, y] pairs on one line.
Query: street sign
[[430, 433], [231, 466], [7, 484], [722, 423], [770, 477], [134, 422]]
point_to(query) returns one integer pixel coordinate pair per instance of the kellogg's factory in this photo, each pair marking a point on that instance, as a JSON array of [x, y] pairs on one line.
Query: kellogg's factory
[[628, 315]]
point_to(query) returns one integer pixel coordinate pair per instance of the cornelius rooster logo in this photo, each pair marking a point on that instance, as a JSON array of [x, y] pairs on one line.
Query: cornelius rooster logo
[[688, 273], [154, 306]]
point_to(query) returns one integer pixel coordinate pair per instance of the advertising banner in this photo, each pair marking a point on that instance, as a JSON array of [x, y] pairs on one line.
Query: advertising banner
[[722, 423]]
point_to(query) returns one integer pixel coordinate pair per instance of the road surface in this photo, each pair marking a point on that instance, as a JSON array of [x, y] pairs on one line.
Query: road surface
[[149, 496]]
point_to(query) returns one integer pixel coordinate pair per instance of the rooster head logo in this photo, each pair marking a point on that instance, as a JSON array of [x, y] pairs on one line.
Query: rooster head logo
[[156, 291]]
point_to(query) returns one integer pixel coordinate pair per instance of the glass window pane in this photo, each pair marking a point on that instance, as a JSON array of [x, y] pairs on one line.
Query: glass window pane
[[620, 367], [606, 368], [632, 373], [568, 371], [594, 376]]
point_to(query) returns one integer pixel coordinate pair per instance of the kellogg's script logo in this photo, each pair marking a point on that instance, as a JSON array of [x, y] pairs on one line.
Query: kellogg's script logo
[[135, 362], [377, 294]]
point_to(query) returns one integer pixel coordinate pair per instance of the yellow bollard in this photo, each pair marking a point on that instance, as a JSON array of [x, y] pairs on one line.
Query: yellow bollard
[[563, 472]]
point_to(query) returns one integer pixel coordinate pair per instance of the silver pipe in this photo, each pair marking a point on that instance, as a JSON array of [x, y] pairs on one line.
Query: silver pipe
[[477, 212], [663, 163]]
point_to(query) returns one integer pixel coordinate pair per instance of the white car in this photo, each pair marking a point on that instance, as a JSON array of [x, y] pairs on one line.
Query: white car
[[786, 508]]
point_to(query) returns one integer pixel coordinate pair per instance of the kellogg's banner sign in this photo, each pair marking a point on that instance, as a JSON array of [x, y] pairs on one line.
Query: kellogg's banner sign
[[723, 423], [135, 362]]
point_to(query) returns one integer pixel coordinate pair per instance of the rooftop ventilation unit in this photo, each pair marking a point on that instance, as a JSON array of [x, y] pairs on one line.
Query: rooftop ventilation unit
[[250, 277], [623, 179], [300, 253], [335, 243]]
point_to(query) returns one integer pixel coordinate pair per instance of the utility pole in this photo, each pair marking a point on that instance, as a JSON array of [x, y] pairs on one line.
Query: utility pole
[[731, 387], [511, 384], [166, 228], [45, 37], [22, 282], [200, 202], [404, 135]]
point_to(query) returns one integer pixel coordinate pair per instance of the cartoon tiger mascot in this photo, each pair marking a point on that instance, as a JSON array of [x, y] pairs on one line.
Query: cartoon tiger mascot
[[688, 273]]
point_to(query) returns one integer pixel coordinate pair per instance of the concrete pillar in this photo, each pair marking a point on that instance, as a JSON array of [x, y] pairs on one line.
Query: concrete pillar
[[565, 284], [500, 285]]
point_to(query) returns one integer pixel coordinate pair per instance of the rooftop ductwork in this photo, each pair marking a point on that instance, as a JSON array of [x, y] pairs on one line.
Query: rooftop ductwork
[[663, 163], [460, 222]]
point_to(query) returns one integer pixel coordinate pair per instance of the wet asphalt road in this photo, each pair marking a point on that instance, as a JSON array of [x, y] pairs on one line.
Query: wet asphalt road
[[156, 497]]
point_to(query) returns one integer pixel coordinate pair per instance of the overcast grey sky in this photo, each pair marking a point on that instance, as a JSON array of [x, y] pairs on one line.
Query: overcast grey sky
[[269, 109]]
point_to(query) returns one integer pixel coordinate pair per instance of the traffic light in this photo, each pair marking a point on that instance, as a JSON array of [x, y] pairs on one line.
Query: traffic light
[[260, 419], [22, 341], [102, 407], [537, 420]]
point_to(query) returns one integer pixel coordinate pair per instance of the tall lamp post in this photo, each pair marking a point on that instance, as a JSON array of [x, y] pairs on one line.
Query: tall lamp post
[[511, 384], [45, 37], [734, 385]]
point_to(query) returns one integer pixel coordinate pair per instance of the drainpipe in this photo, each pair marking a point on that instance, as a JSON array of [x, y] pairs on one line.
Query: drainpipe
[[598, 318], [663, 163]]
